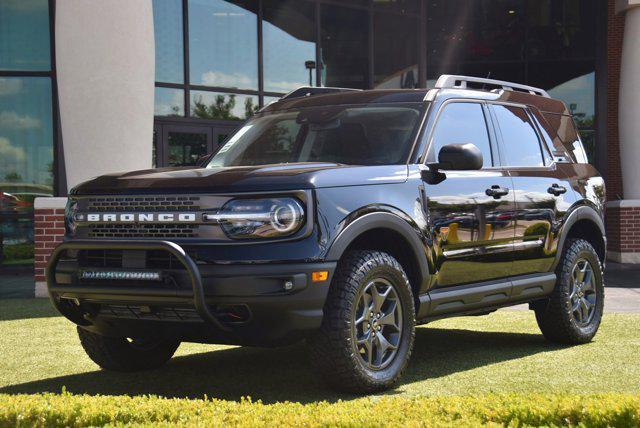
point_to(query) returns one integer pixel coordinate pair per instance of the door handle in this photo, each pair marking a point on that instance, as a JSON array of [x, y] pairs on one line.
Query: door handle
[[496, 191], [557, 189]]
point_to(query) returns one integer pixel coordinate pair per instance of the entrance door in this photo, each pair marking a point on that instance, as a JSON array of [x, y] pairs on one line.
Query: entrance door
[[182, 144]]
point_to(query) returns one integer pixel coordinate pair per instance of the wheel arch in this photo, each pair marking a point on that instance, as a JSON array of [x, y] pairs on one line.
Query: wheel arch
[[586, 223], [389, 232]]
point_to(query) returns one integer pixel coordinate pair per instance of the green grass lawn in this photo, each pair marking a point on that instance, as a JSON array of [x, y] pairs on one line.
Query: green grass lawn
[[502, 353]]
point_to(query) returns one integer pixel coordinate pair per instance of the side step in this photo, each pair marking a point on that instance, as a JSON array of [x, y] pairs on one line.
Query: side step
[[464, 298]]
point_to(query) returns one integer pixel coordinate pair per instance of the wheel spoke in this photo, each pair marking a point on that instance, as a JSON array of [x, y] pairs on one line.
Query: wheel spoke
[[383, 346], [390, 317], [379, 298], [581, 272], [584, 310]]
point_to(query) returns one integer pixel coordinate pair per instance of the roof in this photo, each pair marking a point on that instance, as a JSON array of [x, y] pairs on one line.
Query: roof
[[375, 96], [382, 96]]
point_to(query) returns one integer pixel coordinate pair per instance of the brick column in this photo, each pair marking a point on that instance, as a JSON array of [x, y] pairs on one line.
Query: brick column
[[623, 231], [49, 231]]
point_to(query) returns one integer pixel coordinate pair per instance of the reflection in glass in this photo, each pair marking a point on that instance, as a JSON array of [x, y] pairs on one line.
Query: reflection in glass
[[223, 44], [560, 29], [268, 100], [168, 102], [24, 35], [464, 31], [214, 105], [521, 145], [589, 143], [400, 6], [289, 45], [395, 51], [345, 35], [461, 123], [167, 25], [26, 161], [579, 95], [185, 148]]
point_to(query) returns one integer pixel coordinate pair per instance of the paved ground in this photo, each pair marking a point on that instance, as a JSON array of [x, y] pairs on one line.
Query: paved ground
[[622, 293]]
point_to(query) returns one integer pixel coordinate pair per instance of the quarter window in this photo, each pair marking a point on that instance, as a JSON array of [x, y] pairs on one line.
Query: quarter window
[[460, 123], [521, 146]]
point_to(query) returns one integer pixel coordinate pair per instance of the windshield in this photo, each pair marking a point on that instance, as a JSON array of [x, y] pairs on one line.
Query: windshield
[[351, 135]]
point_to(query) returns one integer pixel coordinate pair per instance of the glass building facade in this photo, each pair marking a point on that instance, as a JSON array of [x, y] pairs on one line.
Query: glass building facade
[[27, 160], [220, 60]]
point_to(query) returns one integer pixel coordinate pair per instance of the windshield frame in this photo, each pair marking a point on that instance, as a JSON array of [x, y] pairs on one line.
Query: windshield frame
[[420, 107]]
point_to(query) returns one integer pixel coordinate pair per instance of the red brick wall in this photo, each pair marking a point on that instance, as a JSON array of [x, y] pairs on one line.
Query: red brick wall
[[623, 231], [49, 230], [615, 34]]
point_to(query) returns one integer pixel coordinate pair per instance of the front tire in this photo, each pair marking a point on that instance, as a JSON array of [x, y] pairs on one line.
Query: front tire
[[574, 310], [126, 355], [368, 328]]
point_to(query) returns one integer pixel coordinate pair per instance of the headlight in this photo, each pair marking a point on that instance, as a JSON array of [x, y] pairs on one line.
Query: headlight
[[70, 216], [260, 218]]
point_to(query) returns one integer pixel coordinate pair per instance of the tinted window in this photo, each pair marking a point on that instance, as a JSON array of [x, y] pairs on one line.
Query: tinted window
[[223, 44], [521, 146], [461, 123], [288, 31], [167, 27], [24, 35], [345, 36], [354, 135]]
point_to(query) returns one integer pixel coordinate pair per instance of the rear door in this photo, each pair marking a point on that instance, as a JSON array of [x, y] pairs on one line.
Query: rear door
[[543, 193], [471, 212]]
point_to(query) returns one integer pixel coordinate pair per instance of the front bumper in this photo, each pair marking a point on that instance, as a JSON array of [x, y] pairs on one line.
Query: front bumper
[[260, 304]]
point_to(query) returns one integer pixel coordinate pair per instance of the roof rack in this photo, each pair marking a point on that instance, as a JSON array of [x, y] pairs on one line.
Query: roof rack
[[309, 91], [461, 82]]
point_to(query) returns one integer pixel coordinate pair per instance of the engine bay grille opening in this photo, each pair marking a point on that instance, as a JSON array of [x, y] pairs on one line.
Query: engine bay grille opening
[[143, 203], [143, 231]]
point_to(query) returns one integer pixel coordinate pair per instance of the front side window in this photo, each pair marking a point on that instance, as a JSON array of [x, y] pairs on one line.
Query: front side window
[[461, 123], [521, 146], [351, 135]]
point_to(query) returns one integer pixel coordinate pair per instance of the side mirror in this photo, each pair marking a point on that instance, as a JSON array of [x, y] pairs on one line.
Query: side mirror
[[460, 157]]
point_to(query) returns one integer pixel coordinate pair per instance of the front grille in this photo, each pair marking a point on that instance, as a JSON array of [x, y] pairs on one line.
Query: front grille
[[143, 203], [143, 231]]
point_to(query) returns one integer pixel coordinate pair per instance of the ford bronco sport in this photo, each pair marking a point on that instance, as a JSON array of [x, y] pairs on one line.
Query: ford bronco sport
[[345, 218]]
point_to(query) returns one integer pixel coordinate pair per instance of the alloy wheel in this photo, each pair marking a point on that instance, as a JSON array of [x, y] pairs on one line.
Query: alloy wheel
[[583, 293], [377, 324]]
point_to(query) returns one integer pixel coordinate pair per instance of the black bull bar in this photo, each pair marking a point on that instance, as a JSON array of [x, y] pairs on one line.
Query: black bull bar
[[174, 249]]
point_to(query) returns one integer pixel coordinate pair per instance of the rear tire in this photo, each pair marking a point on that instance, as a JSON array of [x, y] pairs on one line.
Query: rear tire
[[126, 355], [574, 310], [368, 328]]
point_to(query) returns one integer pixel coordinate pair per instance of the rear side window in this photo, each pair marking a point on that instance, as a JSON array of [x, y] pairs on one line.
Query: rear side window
[[521, 146], [460, 123]]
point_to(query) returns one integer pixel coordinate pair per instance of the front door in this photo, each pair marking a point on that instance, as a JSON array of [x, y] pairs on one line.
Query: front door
[[471, 212]]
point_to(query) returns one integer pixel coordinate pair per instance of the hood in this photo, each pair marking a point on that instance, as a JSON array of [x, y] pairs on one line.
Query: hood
[[295, 176]]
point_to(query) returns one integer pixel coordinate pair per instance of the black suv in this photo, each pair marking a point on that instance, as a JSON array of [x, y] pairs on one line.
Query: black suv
[[345, 218]]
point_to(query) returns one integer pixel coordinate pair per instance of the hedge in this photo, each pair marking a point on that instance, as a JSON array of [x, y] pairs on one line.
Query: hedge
[[52, 410]]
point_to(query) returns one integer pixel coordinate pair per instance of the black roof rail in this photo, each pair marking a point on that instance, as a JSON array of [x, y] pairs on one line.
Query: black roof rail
[[309, 91]]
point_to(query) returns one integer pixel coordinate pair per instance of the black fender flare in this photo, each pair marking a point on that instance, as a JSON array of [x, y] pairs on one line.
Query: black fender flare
[[383, 220], [583, 212]]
